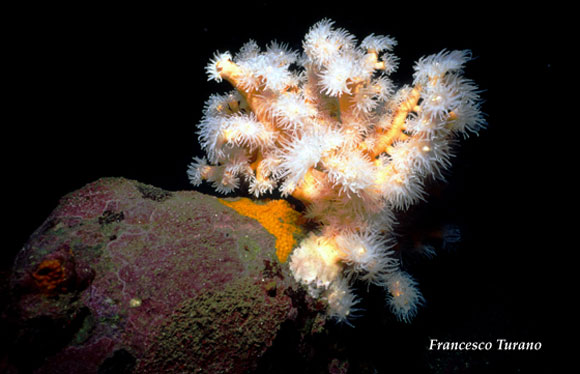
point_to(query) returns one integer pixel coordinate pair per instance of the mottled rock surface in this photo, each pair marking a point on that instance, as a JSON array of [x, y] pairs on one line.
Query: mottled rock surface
[[126, 277]]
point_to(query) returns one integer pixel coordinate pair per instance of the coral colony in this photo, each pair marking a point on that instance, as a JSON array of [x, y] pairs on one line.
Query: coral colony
[[329, 128]]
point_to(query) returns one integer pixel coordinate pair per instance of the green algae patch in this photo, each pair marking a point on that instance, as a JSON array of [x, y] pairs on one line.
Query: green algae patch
[[219, 331]]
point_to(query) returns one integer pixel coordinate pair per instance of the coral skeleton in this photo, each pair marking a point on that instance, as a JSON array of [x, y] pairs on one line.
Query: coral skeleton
[[329, 128]]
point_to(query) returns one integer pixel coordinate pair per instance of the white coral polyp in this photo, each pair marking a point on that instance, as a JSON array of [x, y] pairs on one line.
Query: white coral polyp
[[292, 111], [350, 172], [335, 78], [341, 300], [315, 262], [403, 296]]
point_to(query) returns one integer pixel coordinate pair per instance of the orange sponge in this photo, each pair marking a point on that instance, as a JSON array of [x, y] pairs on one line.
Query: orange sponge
[[277, 216], [49, 275]]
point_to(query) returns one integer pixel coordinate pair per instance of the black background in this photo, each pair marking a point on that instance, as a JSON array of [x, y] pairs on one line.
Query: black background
[[117, 91]]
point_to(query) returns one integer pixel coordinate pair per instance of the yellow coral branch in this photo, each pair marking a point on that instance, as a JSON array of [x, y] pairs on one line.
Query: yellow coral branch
[[255, 166], [231, 72], [373, 57], [386, 138]]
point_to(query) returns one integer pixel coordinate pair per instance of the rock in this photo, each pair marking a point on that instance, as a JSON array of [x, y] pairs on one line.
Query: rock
[[124, 277]]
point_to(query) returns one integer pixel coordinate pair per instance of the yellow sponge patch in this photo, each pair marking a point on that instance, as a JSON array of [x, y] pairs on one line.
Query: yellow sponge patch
[[277, 216]]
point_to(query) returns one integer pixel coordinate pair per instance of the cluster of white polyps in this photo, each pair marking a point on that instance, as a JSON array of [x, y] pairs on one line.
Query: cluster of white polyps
[[329, 128]]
